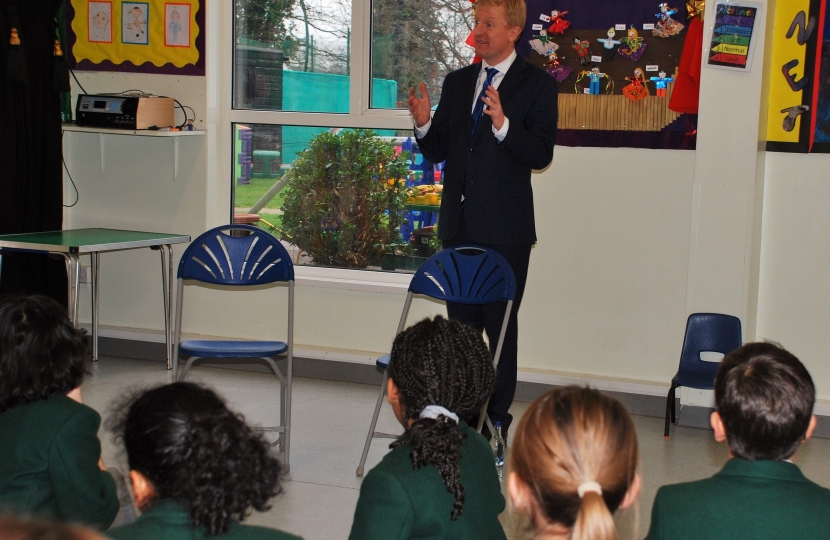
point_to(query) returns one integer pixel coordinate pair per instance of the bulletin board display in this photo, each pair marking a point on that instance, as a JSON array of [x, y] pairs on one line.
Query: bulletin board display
[[152, 36], [615, 63], [798, 117]]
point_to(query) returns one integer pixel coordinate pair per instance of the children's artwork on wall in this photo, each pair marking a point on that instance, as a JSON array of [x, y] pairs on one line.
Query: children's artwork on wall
[[610, 52], [134, 22], [176, 25], [153, 36], [99, 27]]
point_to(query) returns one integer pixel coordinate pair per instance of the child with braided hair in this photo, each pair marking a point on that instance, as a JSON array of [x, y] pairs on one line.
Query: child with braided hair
[[573, 462], [439, 480]]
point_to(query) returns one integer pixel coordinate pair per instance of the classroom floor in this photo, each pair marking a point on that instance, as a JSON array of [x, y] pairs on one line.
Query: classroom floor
[[330, 420]]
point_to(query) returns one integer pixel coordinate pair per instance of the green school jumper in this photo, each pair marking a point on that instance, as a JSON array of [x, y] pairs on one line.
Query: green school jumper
[[49, 452], [167, 520], [756, 500], [397, 502]]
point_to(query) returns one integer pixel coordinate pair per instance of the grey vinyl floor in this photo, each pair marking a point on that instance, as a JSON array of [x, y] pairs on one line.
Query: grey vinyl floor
[[330, 420]]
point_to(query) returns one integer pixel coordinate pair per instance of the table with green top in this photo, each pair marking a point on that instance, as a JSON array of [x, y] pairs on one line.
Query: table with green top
[[72, 243]]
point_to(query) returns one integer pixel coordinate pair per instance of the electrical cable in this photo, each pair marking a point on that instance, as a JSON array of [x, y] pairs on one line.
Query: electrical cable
[[184, 113], [77, 81], [77, 194]]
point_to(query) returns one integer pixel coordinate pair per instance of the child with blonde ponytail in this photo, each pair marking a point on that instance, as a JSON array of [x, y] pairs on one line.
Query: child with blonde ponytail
[[573, 462]]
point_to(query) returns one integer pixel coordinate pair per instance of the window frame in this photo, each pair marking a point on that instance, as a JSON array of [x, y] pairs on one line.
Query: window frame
[[360, 115]]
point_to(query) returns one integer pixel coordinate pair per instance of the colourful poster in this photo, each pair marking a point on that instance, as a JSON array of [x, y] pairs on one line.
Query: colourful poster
[[731, 44], [794, 70], [153, 36]]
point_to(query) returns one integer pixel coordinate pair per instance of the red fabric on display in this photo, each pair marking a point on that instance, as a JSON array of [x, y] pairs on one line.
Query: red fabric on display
[[686, 93]]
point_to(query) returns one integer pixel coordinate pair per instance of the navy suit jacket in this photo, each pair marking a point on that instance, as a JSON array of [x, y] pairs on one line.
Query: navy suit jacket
[[493, 176]]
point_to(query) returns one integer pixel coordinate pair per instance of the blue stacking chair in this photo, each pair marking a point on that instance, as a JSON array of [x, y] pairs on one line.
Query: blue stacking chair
[[705, 332], [464, 274], [240, 256]]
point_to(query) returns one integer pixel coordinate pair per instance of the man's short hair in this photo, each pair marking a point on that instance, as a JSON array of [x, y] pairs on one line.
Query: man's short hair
[[515, 11], [765, 397]]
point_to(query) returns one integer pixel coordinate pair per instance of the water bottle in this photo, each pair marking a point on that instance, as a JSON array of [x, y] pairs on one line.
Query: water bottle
[[498, 449]]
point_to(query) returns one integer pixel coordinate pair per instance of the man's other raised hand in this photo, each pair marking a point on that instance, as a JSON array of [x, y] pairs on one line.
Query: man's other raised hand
[[419, 107]]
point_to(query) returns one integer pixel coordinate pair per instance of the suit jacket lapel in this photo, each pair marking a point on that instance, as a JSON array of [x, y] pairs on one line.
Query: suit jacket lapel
[[512, 78], [468, 89]]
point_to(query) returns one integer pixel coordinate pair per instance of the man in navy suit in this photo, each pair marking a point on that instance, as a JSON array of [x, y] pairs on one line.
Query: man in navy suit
[[495, 123]]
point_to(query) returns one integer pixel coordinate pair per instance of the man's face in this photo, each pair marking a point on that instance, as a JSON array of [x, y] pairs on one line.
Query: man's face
[[494, 38]]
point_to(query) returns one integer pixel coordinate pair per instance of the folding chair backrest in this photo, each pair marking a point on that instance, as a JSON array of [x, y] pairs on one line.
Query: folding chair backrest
[[254, 258], [467, 275], [713, 332]]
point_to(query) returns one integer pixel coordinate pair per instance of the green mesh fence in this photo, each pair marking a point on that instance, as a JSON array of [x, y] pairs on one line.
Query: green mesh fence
[[324, 92]]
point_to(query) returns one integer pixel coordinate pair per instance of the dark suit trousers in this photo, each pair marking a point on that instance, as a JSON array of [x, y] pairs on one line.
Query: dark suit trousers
[[489, 317]]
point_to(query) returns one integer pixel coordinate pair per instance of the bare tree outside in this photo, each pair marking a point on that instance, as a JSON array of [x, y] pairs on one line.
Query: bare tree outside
[[417, 41], [412, 40]]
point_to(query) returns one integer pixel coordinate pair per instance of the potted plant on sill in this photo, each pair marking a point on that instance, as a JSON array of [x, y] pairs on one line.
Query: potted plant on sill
[[345, 202]]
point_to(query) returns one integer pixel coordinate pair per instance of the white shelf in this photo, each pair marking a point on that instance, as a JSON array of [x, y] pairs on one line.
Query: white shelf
[[133, 132], [101, 132]]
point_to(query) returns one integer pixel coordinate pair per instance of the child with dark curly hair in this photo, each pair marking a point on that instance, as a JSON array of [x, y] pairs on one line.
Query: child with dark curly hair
[[197, 468], [50, 454], [439, 480]]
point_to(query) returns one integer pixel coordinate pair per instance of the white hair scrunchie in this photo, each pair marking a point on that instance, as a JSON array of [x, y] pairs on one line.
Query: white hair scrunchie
[[434, 411], [585, 487]]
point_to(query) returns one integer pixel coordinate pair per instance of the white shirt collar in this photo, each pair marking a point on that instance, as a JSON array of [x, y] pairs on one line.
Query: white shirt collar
[[502, 66]]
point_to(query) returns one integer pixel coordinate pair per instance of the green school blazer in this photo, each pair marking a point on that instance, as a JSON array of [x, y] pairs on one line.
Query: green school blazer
[[757, 500], [167, 520], [49, 464], [398, 502]]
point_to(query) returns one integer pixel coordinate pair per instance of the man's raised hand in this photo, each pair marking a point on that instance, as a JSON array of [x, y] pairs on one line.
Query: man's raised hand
[[419, 107]]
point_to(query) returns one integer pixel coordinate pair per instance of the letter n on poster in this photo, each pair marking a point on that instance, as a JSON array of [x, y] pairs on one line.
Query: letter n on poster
[[176, 25], [100, 22]]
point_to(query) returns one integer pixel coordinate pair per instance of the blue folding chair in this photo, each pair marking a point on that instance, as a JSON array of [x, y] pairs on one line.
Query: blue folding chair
[[240, 256], [705, 332], [464, 274]]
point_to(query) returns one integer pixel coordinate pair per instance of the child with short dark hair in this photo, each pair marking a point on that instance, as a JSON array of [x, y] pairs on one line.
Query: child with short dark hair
[[197, 468], [764, 400], [51, 456], [439, 480]]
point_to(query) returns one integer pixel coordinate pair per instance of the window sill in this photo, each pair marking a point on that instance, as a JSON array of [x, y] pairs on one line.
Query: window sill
[[352, 280]]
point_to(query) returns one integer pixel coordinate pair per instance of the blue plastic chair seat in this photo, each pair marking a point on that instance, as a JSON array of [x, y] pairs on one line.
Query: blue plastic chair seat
[[383, 361], [232, 349]]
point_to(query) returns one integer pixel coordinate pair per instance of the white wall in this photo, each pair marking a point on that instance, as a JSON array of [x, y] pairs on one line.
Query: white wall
[[794, 292]]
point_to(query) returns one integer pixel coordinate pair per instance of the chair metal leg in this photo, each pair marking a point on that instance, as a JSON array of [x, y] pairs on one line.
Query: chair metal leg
[[189, 363], [482, 416], [673, 404], [177, 329], [669, 410], [371, 434]]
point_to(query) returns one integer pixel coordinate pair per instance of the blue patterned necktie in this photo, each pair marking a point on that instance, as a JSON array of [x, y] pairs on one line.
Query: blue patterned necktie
[[478, 110]]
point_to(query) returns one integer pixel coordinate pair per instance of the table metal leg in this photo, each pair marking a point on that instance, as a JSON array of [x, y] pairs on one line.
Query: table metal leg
[[166, 252], [73, 274], [69, 282], [96, 301]]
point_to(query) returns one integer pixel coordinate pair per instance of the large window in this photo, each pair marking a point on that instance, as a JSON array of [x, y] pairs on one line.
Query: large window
[[323, 155]]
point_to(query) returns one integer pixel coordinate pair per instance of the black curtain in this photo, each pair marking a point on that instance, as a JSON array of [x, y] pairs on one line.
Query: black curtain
[[31, 180]]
